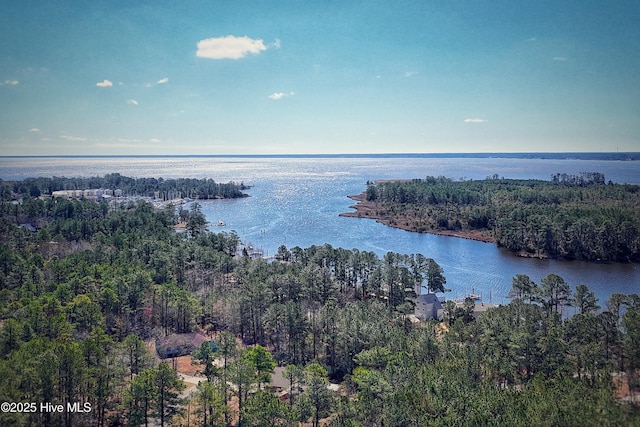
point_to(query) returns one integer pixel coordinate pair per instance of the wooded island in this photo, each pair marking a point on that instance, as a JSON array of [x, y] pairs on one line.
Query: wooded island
[[572, 217], [95, 300]]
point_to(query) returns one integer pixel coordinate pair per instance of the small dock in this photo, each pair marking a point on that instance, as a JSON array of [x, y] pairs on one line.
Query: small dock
[[473, 296]]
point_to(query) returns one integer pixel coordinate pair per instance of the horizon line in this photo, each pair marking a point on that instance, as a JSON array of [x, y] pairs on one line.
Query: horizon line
[[621, 154]]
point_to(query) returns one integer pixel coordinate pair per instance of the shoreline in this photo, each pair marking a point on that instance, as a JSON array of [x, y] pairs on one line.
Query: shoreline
[[365, 209]]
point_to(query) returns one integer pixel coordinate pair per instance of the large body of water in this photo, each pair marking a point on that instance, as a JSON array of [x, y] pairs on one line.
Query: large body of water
[[296, 201]]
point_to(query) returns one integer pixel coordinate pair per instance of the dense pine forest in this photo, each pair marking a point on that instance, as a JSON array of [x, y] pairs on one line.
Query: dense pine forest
[[86, 286], [573, 217]]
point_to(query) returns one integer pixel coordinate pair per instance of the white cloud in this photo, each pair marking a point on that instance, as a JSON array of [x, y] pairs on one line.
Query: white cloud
[[475, 121], [229, 47], [410, 73], [34, 130], [163, 81], [73, 138], [559, 58], [132, 102], [280, 95], [154, 140], [105, 83], [9, 83]]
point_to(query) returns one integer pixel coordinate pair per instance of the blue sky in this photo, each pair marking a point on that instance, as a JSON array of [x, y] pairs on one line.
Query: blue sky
[[254, 77]]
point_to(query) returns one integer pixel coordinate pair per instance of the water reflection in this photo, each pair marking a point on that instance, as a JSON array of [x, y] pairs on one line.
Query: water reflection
[[296, 202]]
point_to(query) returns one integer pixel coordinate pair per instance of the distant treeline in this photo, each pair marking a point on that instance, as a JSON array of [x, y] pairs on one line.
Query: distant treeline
[[570, 216], [183, 187]]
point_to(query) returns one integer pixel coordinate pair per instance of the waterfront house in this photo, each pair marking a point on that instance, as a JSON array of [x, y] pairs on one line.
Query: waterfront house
[[428, 306]]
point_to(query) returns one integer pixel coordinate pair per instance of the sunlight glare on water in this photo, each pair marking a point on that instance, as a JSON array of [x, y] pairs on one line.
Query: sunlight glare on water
[[296, 202]]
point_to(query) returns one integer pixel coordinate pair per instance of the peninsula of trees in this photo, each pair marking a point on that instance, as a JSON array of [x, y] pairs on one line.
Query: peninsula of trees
[[84, 294], [569, 216], [145, 187]]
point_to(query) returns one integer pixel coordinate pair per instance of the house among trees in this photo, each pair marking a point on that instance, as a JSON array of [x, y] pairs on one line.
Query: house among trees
[[480, 308], [176, 345], [29, 227], [428, 306]]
